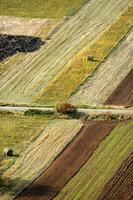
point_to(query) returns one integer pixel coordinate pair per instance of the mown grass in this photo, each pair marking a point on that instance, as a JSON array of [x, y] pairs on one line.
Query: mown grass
[[100, 168], [39, 155], [78, 69], [18, 131], [40, 8]]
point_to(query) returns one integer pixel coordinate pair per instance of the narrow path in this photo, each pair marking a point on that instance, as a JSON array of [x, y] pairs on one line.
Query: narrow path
[[86, 111]]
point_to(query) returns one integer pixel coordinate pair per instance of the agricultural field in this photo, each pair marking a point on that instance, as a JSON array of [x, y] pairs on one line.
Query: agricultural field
[[43, 150], [123, 179], [18, 132], [66, 99], [95, 90], [79, 68], [71, 160], [24, 83], [102, 165], [40, 8], [105, 142], [123, 95]]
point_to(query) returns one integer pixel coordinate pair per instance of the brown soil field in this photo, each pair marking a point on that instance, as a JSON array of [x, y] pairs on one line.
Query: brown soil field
[[123, 95], [120, 187], [69, 162]]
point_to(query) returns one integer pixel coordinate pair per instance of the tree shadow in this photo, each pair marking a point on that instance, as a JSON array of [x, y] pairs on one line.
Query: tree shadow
[[7, 185], [22, 189], [37, 190], [11, 44]]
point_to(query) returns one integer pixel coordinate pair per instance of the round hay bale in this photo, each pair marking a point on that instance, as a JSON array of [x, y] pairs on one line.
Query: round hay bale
[[8, 151], [90, 58]]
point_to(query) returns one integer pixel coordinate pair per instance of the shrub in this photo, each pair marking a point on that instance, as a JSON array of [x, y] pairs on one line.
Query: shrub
[[66, 108]]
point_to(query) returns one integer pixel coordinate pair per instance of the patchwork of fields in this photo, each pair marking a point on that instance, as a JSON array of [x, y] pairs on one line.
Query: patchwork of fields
[[25, 81], [95, 91], [66, 154]]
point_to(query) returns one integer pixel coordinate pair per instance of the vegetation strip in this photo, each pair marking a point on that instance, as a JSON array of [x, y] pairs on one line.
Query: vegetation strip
[[103, 164], [39, 155], [69, 162], [120, 187], [123, 95], [79, 68], [27, 80]]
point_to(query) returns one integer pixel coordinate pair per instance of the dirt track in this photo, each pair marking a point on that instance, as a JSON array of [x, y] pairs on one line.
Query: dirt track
[[50, 183], [123, 95], [120, 187]]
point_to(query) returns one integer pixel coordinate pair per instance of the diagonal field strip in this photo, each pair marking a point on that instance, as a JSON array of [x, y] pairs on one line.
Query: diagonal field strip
[[103, 164], [68, 162], [79, 68], [39, 155], [123, 95], [120, 187], [108, 76], [30, 77]]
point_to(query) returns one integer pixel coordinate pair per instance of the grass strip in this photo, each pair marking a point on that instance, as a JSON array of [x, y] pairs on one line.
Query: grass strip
[[100, 168], [40, 8], [78, 69]]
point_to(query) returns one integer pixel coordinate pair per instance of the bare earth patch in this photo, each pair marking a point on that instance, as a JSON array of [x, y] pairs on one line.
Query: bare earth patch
[[21, 26]]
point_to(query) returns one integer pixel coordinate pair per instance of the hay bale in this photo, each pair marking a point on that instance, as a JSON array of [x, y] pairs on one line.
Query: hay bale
[[8, 151], [90, 58]]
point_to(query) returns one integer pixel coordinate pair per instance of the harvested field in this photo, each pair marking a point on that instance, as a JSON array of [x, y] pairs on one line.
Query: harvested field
[[120, 187], [17, 28], [69, 162], [27, 80], [18, 132], [39, 155], [79, 68], [108, 76], [123, 95], [103, 164]]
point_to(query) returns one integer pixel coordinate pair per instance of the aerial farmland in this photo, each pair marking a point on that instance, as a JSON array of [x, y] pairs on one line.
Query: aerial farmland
[[66, 100]]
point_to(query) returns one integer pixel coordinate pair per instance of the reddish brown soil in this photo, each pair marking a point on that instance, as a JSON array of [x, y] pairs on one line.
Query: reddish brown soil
[[123, 95], [68, 163], [121, 186]]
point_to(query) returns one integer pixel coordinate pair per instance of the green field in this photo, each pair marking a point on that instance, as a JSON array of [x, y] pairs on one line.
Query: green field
[[99, 169], [40, 8], [18, 131]]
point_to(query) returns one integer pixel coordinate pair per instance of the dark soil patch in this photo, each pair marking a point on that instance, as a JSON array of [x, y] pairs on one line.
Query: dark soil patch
[[121, 186], [123, 95], [11, 44]]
